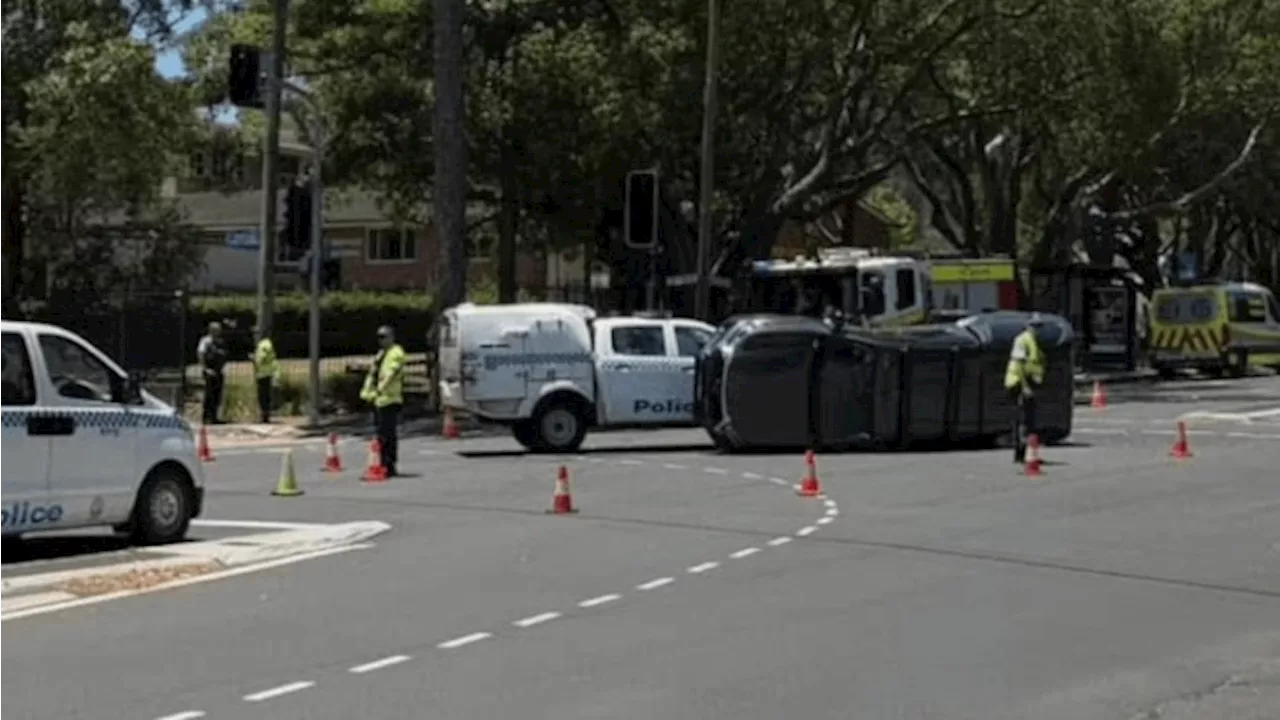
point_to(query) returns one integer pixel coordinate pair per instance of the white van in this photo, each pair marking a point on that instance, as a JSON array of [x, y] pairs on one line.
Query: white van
[[84, 445]]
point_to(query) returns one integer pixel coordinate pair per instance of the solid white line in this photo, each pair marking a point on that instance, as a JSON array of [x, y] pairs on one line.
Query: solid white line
[[595, 460], [779, 541], [751, 476], [536, 619], [185, 715], [745, 552], [598, 601], [825, 520], [258, 524], [379, 664], [1273, 412], [1255, 436], [806, 530], [715, 471], [464, 640], [630, 462], [278, 691], [184, 582], [655, 584], [674, 466], [703, 567]]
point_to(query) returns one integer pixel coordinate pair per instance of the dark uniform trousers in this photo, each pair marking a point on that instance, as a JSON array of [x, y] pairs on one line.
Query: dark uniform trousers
[[385, 422], [213, 381], [1024, 423]]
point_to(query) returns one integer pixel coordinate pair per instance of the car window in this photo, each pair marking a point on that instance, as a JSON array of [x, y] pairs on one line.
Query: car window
[[1248, 307], [19, 381], [638, 340], [1186, 309], [690, 341], [75, 372], [906, 278]]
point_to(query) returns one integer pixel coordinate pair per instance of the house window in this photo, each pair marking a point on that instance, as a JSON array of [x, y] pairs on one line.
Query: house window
[[392, 245]]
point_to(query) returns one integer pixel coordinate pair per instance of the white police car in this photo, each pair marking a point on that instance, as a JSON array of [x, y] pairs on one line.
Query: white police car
[[85, 446]]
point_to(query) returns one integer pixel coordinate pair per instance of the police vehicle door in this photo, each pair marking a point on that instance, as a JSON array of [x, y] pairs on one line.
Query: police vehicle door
[[636, 376], [27, 438], [688, 340], [503, 368], [96, 465]]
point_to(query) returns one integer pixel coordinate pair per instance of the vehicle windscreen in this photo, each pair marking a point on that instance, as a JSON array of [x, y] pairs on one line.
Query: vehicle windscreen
[[1247, 306], [1191, 308]]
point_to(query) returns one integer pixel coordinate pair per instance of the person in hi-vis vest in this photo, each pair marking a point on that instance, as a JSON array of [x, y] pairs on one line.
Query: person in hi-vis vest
[[1023, 378], [266, 371], [384, 389]]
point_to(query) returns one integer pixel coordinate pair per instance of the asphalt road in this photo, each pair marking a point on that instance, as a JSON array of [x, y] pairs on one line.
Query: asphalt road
[[926, 585]]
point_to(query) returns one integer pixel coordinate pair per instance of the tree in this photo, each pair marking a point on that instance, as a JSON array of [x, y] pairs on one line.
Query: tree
[[91, 132]]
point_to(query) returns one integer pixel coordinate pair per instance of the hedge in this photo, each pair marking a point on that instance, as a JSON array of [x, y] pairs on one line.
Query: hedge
[[347, 321]]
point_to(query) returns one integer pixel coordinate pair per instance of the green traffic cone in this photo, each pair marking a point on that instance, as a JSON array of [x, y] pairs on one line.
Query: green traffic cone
[[287, 486]]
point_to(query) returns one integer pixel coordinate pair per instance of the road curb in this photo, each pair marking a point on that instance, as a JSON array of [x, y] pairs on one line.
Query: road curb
[[47, 592]]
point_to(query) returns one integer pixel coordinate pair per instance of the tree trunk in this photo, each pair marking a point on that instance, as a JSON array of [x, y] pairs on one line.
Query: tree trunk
[[450, 152], [14, 240]]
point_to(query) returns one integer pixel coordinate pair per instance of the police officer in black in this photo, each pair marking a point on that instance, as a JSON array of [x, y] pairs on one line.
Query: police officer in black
[[212, 352]]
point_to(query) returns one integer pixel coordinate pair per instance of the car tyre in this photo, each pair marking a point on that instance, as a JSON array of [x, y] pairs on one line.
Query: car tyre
[[559, 426], [526, 433], [162, 511]]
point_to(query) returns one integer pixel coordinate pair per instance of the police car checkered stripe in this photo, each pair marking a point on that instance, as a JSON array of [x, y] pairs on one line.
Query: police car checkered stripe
[[111, 419], [656, 362]]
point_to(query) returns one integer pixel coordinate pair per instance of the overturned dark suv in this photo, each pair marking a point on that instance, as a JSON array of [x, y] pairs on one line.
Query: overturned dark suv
[[782, 382]]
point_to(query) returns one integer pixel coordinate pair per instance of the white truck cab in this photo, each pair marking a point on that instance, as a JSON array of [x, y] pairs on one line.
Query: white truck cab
[[551, 370], [85, 446]]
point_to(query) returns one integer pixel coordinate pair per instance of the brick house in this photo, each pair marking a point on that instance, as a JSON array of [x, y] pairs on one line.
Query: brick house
[[221, 194]]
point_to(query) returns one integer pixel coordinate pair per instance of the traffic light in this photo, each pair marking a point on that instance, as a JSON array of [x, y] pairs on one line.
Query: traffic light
[[640, 230], [244, 77], [296, 233]]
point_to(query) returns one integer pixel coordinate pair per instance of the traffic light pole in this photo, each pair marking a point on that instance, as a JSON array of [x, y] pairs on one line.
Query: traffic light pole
[[317, 257], [706, 176], [270, 156]]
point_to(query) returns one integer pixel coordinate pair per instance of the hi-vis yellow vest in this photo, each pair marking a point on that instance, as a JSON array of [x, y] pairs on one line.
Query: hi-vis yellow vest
[[384, 385], [264, 360], [1025, 356]]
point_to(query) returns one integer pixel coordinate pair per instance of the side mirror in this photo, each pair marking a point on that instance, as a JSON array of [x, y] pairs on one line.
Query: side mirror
[[133, 388]]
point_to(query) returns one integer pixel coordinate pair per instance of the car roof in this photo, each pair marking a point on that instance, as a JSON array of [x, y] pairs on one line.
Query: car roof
[[525, 309], [19, 325]]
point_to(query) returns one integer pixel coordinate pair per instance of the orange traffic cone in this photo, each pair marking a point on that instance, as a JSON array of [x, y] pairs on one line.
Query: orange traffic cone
[[561, 500], [374, 471], [450, 429], [1099, 400], [202, 446], [1181, 450], [1031, 466], [809, 485], [332, 463]]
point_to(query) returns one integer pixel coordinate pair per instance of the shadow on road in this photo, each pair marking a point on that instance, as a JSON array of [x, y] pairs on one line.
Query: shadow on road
[[624, 449]]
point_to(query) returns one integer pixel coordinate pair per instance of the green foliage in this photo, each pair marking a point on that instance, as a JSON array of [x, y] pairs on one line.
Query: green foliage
[[240, 398], [348, 321], [342, 391]]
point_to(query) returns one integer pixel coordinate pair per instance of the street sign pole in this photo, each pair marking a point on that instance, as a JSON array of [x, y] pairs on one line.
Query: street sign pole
[[317, 263], [653, 246]]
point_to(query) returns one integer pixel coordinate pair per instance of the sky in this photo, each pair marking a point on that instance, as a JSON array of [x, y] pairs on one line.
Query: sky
[[169, 62]]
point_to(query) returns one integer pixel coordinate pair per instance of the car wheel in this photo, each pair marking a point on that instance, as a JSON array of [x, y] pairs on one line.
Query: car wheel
[[1238, 366], [526, 433], [162, 511], [560, 427]]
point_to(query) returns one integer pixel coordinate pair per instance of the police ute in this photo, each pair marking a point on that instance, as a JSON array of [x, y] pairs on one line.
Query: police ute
[[84, 445], [552, 370]]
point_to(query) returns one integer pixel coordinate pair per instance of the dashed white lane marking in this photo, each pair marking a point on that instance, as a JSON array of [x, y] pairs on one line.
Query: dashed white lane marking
[[429, 452], [630, 462], [185, 715], [279, 690], [829, 503], [825, 520], [379, 664], [464, 640], [779, 541], [715, 471], [751, 476], [601, 600], [806, 530], [536, 619], [674, 466], [655, 584], [703, 567], [745, 552], [832, 511], [778, 481]]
